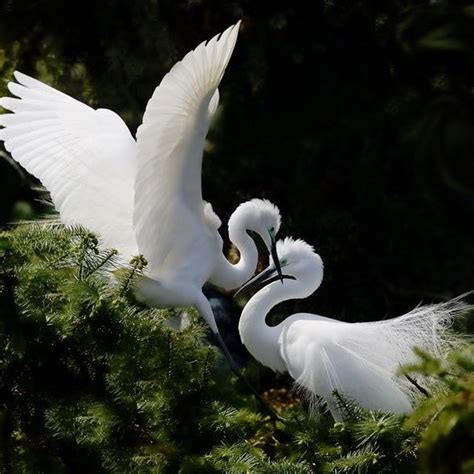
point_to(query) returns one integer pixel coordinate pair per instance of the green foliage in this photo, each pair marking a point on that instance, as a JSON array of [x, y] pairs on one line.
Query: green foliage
[[447, 443], [369, 157], [93, 381]]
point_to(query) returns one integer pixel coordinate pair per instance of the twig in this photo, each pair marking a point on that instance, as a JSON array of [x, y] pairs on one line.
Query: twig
[[418, 386]]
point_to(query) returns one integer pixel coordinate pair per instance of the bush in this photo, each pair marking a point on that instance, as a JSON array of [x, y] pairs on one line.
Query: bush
[[92, 381]]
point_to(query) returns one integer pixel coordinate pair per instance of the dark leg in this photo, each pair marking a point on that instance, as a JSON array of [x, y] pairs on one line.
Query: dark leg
[[204, 307], [418, 386]]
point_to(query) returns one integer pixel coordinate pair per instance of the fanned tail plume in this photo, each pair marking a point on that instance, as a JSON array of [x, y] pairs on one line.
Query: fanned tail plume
[[362, 361]]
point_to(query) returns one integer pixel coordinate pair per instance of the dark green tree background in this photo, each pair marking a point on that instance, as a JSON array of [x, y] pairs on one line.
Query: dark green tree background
[[355, 117]]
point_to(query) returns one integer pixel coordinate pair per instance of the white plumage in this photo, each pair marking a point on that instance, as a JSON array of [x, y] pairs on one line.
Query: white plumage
[[170, 143], [142, 196], [86, 158], [359, 360]]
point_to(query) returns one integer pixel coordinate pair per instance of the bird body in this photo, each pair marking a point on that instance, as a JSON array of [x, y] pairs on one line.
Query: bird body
[[141, 196], [358, 360]]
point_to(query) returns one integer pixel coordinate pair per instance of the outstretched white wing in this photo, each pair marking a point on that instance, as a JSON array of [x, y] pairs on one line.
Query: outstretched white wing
[[169, 210], [84, 157]]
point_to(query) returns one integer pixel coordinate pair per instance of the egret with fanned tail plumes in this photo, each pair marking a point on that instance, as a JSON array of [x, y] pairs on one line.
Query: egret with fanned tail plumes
[[358, 360]]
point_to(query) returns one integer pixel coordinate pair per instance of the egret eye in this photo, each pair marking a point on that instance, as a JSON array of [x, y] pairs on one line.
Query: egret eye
[[284, 262]]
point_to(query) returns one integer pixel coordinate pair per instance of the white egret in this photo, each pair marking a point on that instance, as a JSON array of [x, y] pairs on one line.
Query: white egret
[[358, 360], [142, 196]]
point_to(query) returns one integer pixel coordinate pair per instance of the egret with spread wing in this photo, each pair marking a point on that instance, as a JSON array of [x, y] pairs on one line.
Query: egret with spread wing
[[358, 360], [142, 196]]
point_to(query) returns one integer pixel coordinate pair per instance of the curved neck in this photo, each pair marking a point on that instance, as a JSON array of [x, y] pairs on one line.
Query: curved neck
[[230, 276], [247, 248], [262, 340]]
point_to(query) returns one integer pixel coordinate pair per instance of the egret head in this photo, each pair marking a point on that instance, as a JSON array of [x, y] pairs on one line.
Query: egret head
[[257, 215], [260, 216], [302, 269]]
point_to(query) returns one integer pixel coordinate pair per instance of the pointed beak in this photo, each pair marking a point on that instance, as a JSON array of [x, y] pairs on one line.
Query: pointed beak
[[262, 279], [274, 254]]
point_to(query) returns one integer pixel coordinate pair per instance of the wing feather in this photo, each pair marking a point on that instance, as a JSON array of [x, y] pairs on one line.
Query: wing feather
[[322, 358], [361, 360], [84, 157], [168, 197]]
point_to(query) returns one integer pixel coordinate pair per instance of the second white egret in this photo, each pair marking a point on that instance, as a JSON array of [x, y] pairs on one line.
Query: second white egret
[[323, 355]]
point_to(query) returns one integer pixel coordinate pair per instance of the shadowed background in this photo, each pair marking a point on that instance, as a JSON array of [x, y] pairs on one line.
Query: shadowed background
[[355, 118]]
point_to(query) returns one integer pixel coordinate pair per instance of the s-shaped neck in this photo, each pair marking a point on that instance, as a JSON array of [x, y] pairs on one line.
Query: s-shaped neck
[[261, 339], [230, 276]]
